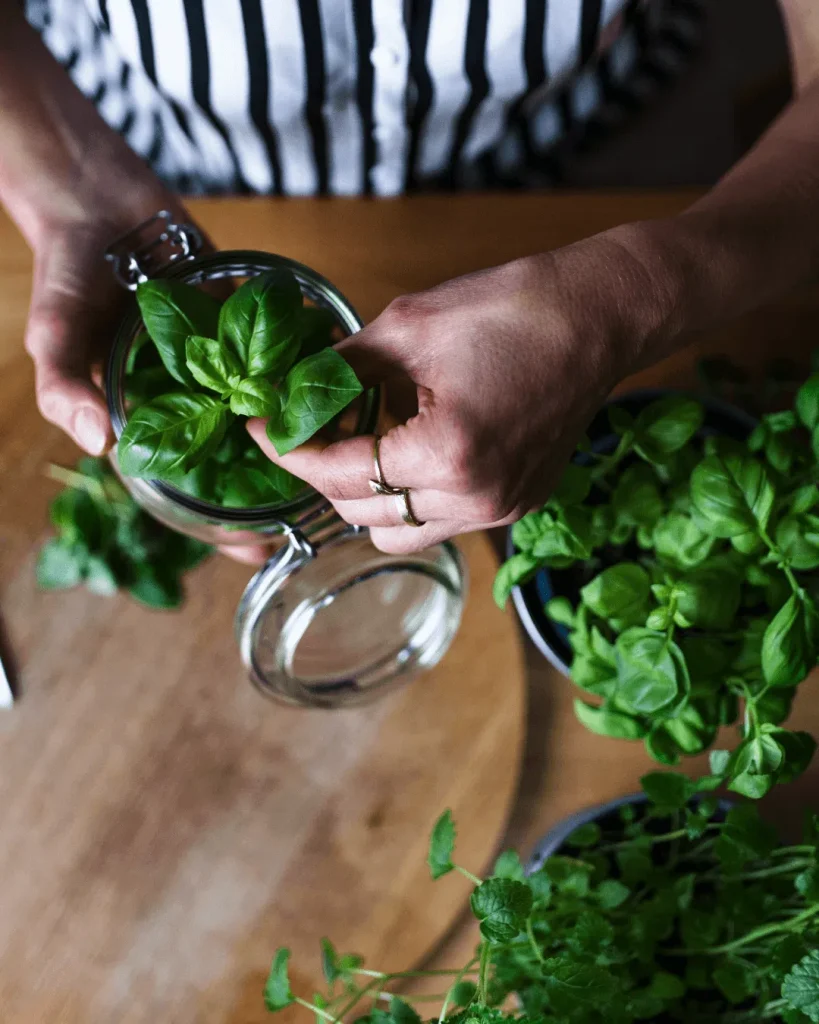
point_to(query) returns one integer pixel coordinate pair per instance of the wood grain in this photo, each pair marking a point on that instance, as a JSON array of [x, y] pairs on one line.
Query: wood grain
[[164, 827]]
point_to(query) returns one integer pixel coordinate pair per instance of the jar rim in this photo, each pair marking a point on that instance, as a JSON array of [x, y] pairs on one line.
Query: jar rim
[[214, 266]]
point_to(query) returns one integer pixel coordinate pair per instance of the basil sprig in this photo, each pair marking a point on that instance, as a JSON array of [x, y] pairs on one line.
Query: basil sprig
[[261, 353], [701, 606]]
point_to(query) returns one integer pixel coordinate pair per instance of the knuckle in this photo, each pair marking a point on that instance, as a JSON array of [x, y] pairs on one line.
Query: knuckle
[[491, 507], [404, 311]]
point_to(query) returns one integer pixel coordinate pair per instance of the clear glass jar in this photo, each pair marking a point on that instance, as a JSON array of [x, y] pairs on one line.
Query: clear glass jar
[[329, 620]]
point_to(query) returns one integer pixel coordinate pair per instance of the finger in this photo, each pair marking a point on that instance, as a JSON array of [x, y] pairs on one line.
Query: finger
[[252, 554], [407, 540], [426, 505]]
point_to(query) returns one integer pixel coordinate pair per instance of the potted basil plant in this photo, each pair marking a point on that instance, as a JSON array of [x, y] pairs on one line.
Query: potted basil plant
[[677, 565], [672, 907]]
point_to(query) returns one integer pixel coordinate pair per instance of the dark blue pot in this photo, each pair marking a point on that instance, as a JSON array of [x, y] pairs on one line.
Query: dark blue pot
[[551, 638]]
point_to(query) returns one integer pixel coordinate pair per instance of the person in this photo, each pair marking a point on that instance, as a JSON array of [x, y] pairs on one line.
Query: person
[[149, 98]]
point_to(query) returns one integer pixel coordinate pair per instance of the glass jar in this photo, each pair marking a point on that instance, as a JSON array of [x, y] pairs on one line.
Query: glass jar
[[329, 620]]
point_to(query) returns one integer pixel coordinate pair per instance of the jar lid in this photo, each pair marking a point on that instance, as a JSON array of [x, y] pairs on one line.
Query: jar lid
[[331, 621]]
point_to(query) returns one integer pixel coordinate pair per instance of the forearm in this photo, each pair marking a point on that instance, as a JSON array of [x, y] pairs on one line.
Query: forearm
[[752, 237], [56, 150]]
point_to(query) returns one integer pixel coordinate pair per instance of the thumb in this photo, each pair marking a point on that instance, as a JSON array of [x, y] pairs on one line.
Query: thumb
[[61, 335]]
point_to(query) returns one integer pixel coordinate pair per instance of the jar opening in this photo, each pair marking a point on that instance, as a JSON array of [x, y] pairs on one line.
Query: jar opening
[[236, 266]]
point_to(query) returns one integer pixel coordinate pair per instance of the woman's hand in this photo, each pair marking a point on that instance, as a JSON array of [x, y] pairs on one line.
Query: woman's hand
[[509, 365]]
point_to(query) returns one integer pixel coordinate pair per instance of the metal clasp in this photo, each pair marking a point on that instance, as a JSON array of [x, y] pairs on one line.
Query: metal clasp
[[151, 247]]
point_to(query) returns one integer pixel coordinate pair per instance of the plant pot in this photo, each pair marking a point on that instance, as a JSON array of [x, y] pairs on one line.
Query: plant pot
[[551, 638]]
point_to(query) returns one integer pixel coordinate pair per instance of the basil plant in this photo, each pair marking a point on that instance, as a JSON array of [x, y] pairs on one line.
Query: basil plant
[[689, 566]]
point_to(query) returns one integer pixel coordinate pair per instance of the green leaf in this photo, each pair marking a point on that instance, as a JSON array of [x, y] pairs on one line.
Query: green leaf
[[560, 610], [620, 594], [329, 961], [637, 498], [574, 486], [611, 893], [508, 865], [668, 791], [791, 643], [681, 541], [514, 571], [571, 985], [667, 986], [143, 386], [261, 322], [441, 846], [212, 364], [502, 906], [650, 670], [732, 493], [255, 396], [666, 426], [807, 884], [99, 577], [708, 597], [277, 994], [798, 748], [168, 437], [315, 390], [172, 311], [155, 588], [807, 402], [662, 746], [797, 538], [585, 836], [718, 761], [605, 722], [801, 986], [254, 480], [736, 981], [744, 837], [315, 328], [752, 786], [60, 565], [463, 993], [402, 1013]]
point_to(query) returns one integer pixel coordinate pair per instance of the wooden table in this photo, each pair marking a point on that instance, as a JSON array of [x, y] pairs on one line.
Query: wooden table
[[377, 250]]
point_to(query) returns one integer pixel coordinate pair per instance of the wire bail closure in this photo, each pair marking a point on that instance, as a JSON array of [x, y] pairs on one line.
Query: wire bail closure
[[152, 247]]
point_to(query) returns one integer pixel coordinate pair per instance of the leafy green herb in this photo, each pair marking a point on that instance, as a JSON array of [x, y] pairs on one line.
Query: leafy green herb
[[670, 910], [260, 354], [441, 846], [698, 558], [106, 542]]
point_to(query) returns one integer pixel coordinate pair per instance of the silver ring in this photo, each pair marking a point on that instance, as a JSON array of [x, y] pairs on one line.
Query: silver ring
[[380, 485], [402, 502]]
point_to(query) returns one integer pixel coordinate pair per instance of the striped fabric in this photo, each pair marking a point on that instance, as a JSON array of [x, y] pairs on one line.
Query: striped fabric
[[346, 97]]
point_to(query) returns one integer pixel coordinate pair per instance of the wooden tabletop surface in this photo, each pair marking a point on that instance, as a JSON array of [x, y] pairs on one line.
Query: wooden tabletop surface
[[376, 250]]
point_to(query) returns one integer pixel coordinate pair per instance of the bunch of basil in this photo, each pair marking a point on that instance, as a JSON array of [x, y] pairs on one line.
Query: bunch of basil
[[211, 365], [708, 612]]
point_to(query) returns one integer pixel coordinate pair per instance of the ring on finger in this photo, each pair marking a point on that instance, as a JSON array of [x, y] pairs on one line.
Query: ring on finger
[[404, 506], [379, 485]]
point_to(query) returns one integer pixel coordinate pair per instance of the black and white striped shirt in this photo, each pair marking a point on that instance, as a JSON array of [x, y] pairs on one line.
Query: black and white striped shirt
[[304, 97]]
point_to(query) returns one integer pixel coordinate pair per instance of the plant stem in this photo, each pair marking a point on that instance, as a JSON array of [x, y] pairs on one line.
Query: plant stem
[[414, 974], [457, 981], [752, 936], [483, 971], [468, 874], [533, 941], [315, 1009]]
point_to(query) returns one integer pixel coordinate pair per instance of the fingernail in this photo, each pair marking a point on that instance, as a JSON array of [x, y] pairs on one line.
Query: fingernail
[[89, 431]]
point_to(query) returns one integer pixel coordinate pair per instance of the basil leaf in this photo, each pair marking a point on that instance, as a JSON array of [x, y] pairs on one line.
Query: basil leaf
[[605, 722], [441, 846], [255, 396], [143, 386], [650, 671], [681, 541], [732, 493], [316, 390], [155, 588], [277, 993], [514, 571], [807, 402], [636, 497], [791, 643], [798, 539], [620, 594], [172, 311], [212, 364], [315, 328], [709, 597], [260, 322], [254, 480], [169, 437], [665, 426], [60, 565]]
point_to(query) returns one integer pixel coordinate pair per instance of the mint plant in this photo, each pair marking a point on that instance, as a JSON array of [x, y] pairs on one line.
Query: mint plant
[[689, 568], [201, 367], [673, 910], [105, 541]]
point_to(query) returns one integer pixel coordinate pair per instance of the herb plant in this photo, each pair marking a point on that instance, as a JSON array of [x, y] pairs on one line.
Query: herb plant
[[202, 367], [106, 542], [694, 567], [672, 910]]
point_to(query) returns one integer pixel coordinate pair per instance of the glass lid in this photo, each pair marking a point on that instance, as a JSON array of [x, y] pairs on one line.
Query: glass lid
[[336, 622]]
